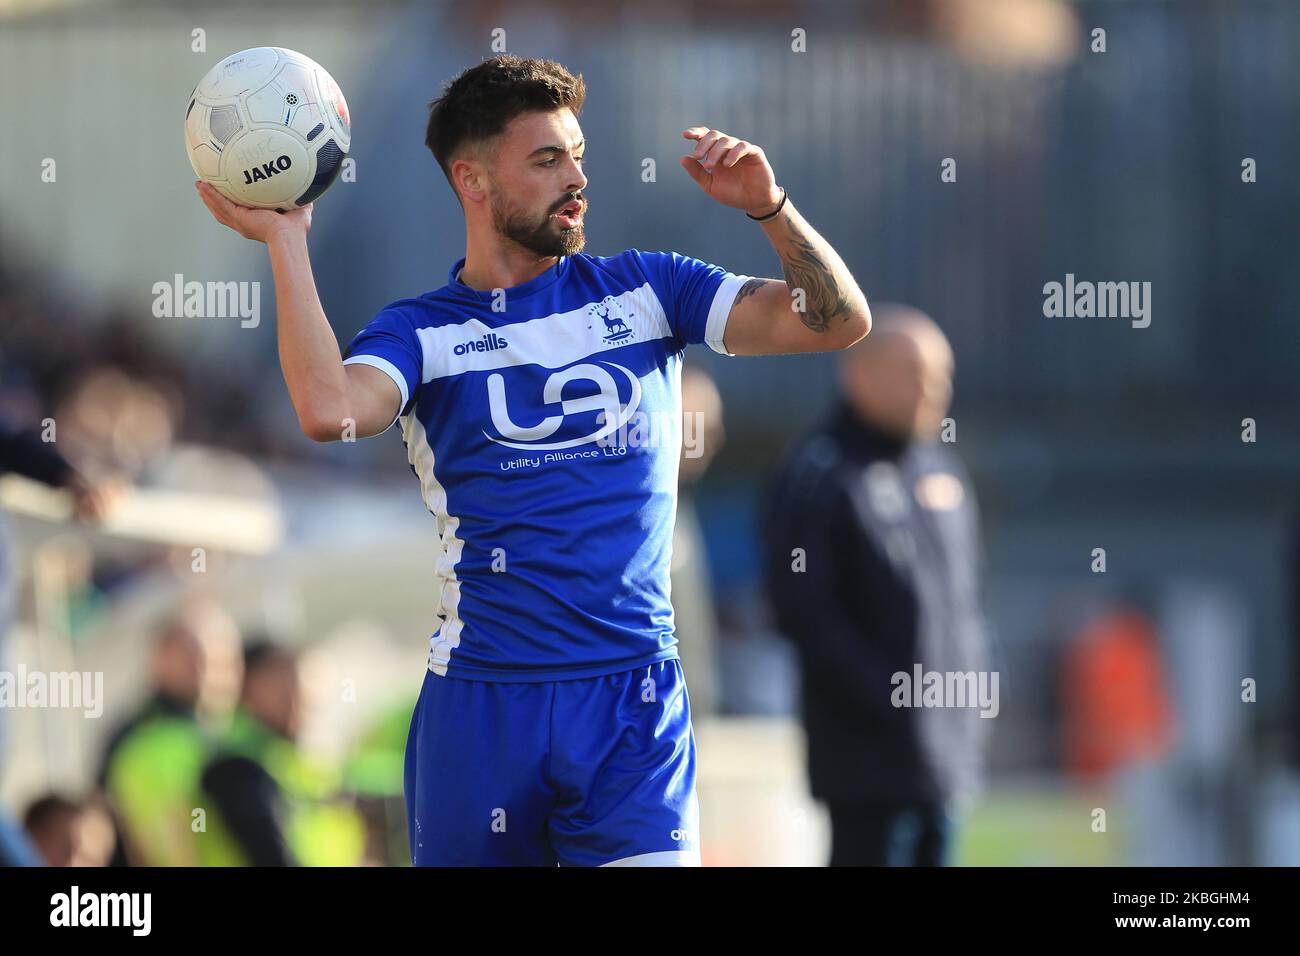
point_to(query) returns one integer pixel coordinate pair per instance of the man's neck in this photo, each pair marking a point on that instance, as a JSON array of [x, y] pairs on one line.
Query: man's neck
[[484, 271]]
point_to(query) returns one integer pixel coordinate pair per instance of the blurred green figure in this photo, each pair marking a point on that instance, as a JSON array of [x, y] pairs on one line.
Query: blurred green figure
[[266, 802], [151, 766], [375, 773]]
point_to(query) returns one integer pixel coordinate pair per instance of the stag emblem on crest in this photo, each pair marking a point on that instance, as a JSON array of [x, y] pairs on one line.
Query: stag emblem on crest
[[609, 312]]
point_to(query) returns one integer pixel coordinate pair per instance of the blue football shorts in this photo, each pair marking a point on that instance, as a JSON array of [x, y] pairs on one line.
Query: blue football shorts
[[590, 772]]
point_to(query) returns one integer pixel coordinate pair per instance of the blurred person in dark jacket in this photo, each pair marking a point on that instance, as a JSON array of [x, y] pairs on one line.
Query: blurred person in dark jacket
[[268, 802], [151, 765], [872, 557], [694, 615]]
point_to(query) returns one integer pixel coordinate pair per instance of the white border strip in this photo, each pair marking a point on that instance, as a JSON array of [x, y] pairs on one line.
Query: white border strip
[[389, 369], [716, 326], [663, 858]]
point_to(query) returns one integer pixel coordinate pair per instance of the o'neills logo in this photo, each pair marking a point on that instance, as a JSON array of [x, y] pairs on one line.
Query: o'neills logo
[[267, 170], [489, 343]]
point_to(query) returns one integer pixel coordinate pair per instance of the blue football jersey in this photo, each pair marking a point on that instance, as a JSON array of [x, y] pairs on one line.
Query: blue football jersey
[[544, 424]]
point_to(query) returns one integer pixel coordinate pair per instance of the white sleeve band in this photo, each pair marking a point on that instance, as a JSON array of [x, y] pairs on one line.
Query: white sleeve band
[[716, 326], [389, 369]]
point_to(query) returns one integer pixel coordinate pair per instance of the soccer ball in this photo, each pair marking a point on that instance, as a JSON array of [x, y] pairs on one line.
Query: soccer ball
[[268, 128]]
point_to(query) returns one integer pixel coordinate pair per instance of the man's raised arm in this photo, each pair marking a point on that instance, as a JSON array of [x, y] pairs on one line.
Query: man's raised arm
[[819, 307], [327, 396]]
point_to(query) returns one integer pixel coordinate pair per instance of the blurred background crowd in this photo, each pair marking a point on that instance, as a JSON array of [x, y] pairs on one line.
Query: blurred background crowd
[[279, 670]]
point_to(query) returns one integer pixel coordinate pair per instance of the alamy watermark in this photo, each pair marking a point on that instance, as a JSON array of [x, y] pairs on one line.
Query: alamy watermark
[[656, 430], [131, 911], [179, 299], [59, 690], [922, 688], [1102, 300]]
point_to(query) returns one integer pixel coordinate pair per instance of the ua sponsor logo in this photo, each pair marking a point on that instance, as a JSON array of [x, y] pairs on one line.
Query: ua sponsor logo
[[614, 413], [267, 170], [489, 343]]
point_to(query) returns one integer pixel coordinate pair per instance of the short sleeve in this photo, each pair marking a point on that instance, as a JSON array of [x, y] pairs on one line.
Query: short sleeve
[[696, 295], [390, 344]]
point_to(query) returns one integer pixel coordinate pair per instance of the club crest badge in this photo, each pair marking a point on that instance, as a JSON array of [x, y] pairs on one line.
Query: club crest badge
[[611, 313]]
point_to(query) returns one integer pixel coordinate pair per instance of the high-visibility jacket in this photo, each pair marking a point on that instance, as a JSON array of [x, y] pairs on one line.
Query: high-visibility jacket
[[317, 825]]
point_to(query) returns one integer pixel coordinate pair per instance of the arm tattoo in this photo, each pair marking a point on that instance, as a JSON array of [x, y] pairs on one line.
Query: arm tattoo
[[825, 297], [749, 288]]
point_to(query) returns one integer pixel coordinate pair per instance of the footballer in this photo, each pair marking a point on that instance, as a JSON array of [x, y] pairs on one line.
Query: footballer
[[553, 726]]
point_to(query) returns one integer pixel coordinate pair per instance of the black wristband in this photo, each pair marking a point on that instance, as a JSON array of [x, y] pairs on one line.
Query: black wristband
[[774, 213]]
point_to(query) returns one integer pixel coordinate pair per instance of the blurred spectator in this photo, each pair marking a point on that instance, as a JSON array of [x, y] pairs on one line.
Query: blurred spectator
[[113, 418], [269, 804], [123, 392], [872, 552], [694, 614], [68, 832], [24, 453], [151, 765], [1291, 720], [374, 772], [1117, 710]]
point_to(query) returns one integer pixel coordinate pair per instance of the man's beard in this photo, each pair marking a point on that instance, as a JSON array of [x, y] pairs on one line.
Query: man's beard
[[546, 238]]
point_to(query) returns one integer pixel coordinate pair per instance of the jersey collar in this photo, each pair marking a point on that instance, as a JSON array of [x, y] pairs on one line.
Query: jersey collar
[[535, 284]]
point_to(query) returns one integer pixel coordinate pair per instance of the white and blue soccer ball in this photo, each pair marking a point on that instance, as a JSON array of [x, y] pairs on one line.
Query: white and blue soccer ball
[[268, 128]]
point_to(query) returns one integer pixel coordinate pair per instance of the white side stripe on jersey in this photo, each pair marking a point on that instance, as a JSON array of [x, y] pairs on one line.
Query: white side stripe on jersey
[[447, 606]]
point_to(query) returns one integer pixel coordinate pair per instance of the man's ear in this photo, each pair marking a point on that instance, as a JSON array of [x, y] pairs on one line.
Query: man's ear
[[469, 179]]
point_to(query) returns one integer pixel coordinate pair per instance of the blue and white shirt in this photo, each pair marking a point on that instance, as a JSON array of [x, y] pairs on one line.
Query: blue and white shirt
[[544, 424]]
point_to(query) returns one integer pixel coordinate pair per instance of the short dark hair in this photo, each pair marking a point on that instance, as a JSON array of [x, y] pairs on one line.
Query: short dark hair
[[478, 104], [262, 652], [46, 809]]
